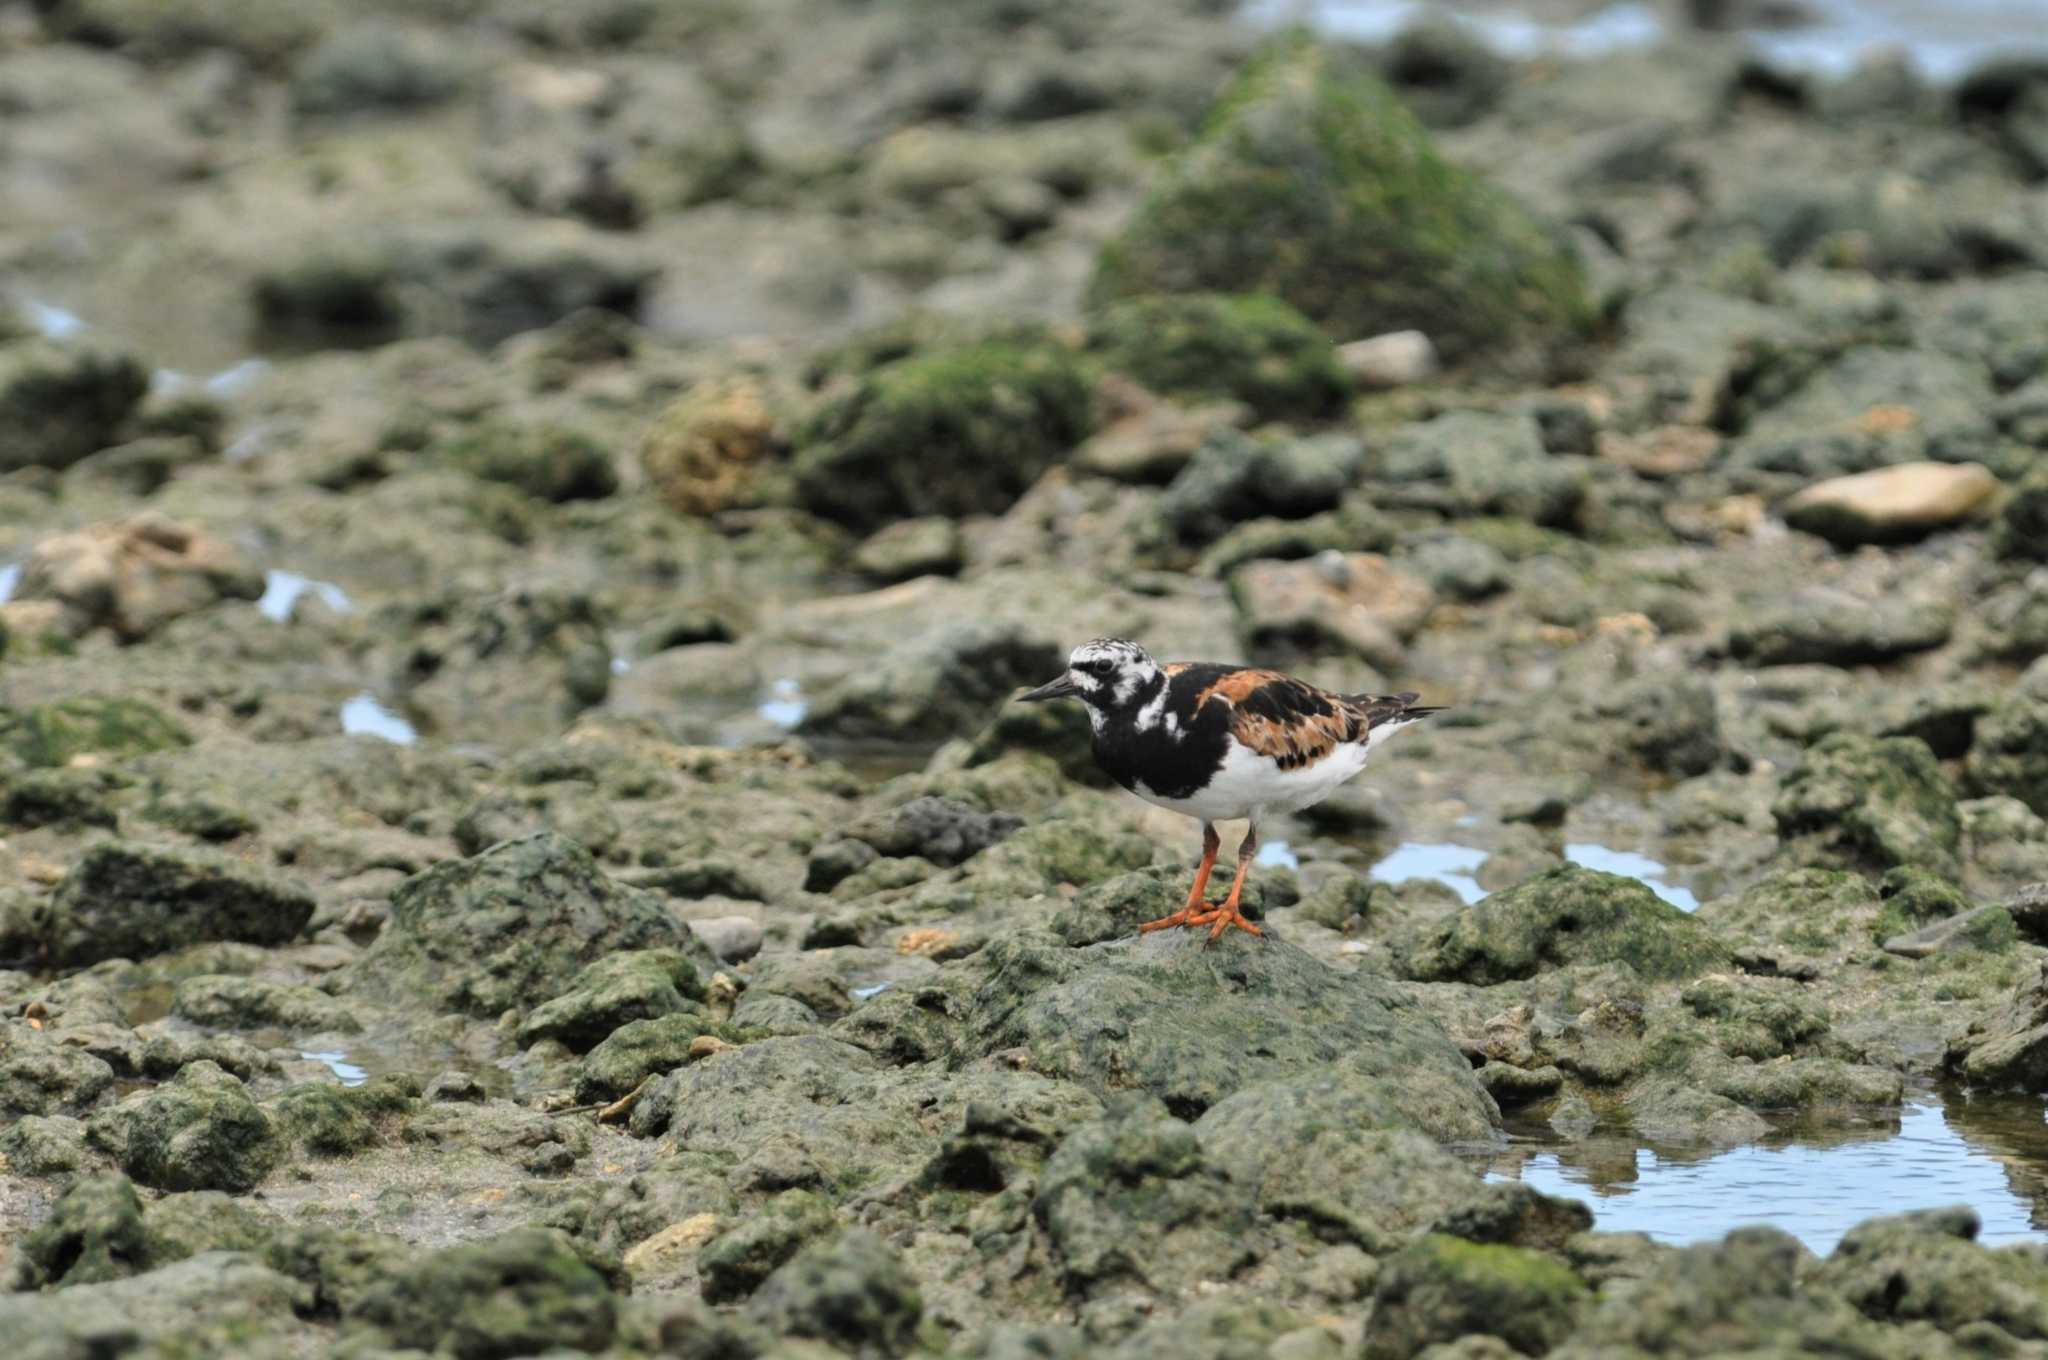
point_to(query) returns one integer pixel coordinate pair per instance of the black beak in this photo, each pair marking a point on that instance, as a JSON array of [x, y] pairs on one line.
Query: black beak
[[1056, 689]]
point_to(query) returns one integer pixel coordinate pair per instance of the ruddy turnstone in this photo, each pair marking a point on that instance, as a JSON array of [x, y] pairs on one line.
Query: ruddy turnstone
[[1217, 743]]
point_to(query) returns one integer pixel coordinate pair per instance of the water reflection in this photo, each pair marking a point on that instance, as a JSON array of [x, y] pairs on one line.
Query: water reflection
[[1450, 865], [1630, 864], [1815, 1185]]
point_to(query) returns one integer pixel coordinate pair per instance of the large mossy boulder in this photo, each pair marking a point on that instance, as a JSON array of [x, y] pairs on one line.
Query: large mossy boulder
[[639, 984], [40, 1076], [1192, 1023], [1313, 183], [511, 927], [959, 431], [198, 1131], [1872, 802], [1443, 1288], [521, 1293], [1569, 915], [1251, 347], [853, 1292], [133, 901]]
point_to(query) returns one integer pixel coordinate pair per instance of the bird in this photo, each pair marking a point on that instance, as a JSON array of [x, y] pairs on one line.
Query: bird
[[1219, 742]]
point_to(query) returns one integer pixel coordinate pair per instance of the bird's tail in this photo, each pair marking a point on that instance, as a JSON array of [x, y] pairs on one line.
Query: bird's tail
[[1386, 708]]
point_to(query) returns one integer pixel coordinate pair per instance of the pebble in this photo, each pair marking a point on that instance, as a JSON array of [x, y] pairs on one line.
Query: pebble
[[1396, 359], [1891, 504]]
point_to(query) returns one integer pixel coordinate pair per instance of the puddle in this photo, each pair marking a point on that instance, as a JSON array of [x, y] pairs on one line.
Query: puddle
[[282, 589], [620, 665], [868, 993], [231, 381], [785, 705], [1277, 855], [52, 323], [1649, 872], [364, 716], [1450, 865], [10, 581], [338, 1063], [1944, 38], [1931, 1156]]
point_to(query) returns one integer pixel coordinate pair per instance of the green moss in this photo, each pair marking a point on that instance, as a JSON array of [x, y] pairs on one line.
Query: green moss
[[547, 462], [1252, 347], [59, 404], [954, 432], [1444, 1287], [51, 734], [1872, 802], [1312, 182]]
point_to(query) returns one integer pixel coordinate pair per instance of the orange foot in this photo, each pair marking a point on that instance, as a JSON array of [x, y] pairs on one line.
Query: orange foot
[[1184, 917], [1225, 915]]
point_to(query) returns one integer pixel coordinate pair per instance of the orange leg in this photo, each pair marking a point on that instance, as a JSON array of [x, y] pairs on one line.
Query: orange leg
[[1226, 914], [1211, 843]]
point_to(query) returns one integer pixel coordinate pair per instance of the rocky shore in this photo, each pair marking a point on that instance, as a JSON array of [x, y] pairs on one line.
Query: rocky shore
[[511, 837]]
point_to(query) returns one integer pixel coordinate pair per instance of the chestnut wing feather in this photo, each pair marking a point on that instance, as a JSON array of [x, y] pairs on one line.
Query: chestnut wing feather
[[1293, 722]]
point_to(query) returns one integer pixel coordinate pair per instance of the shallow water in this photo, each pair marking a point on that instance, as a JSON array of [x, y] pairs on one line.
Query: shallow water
[[1450, 865], [282, 589], [365, 716], [1943, 38], [10, 581], [1931, 1154], [785, 705], [337, 1062], [1632, 864]]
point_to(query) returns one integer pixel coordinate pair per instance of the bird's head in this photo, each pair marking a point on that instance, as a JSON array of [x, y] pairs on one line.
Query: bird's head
[[1106, 673]]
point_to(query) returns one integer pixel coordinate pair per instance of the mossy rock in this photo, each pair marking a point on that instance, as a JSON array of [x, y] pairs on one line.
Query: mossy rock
[[50, 735], [2010, 752], [640, 984], [1443, 1288], [94, 1232], [222, 1001], [198, 1131], [956, 432], [548, 462], [732, 1265], [133, 901], [2022, 529], [1312, 182], [1872, 803], [523, 1292], [1568, 915], [1252, 347], [637, 1050]]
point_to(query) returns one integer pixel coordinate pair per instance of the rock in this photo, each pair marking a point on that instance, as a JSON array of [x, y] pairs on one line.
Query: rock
[[1249, 347], [1312, 183], [1460, 568], [169, 30], [216, 1303], [43, 1145], [224, 1002], [455, 1087], [1482, 463], [1568, 915], [952, 432], [339, 1121], [1670, 725], [2022, 528], [1870, 408], [2029, 910], [1829, 627], [1874, 802], [853, 1291], [520, 1293], [547, 461], [55, 734], [197, 1131], [634, 985], [2009, 753], [715, 449], [372, 67], [942, 830], [1223, 1020], [1235, 477], [133, 576], [1150, 441], [133, 901], [1927, 1267], [94, 1232], [909, 548], [733, 939], [1664, 452], [935, 686], [1356, 601], [336, 1267], [736, 1262], [1891, 505], [639, 1049], [59, 404], [2011, 1049], [140, 467], [835, 861], [508, 928], [1673, 1110], [1989, 928], [1396, 359], [1442, 1288]]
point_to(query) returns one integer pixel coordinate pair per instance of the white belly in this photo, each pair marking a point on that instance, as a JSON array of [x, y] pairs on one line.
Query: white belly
[[1250, 785]]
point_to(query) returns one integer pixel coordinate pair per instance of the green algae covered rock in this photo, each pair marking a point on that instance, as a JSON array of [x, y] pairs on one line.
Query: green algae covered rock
[[1311, 182], [2010, 752], [197, 1131], [1567, 915], [133, 901], [510, 927], [636, 1050], [40, 1076], [94, 1232], [548, 462], [853, 1291], [640, 984], [1928, 1267], [59, 404], [732, 1265], [519, 1293], [1252, 347], [953, 432], [1874, 802], [49, 735], [1442, 1288]]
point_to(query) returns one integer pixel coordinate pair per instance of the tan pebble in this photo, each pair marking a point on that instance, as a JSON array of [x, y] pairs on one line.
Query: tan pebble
[[704, 1045], [929, 940]]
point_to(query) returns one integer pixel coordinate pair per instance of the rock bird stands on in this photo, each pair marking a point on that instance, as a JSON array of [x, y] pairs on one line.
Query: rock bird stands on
[[1220, 742]]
